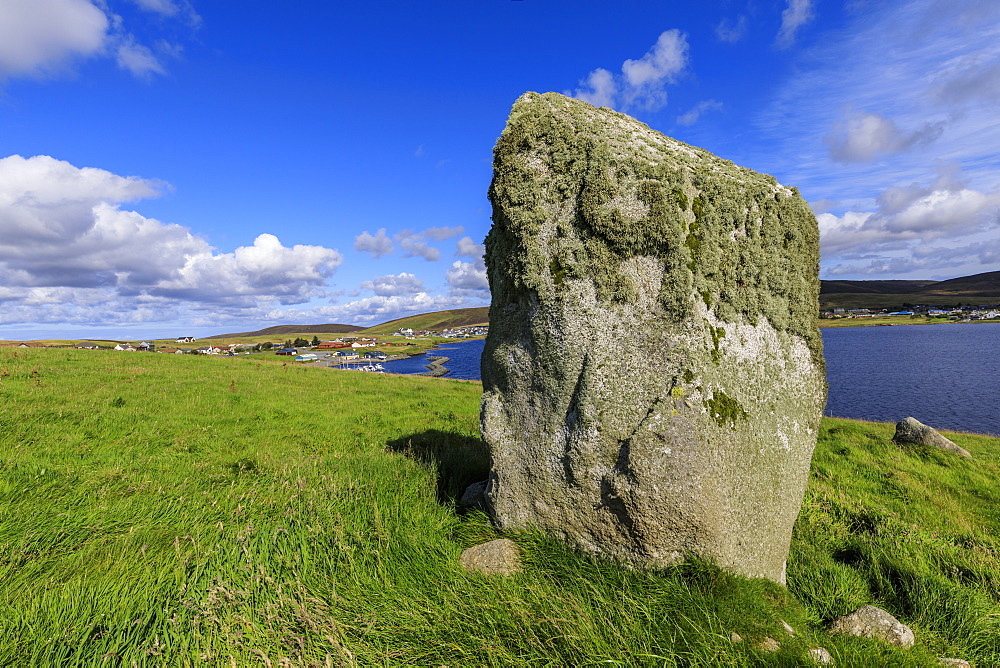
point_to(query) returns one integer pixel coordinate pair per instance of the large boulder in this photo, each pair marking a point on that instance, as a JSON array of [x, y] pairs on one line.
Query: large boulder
[[653, 376], [910, 430]]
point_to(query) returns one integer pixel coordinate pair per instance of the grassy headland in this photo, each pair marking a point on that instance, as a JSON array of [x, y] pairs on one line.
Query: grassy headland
[[170, 510]]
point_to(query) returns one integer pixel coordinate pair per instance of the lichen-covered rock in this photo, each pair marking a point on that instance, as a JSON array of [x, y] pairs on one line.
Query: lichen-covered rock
[[912, 430], [653, 375], [871, 622]]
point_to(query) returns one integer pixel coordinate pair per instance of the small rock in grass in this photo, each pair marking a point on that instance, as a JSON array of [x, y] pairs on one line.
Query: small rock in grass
[[788, 629], [497, 557], [769, 645], [872, 622], [911, 430], [821, 656], [957, 663], [475, 495], [735, 637]]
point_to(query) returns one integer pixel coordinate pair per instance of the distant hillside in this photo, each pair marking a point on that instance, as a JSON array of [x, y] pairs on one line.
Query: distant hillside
[[978, 289], [873, 287], [282, 330], [462, 317]]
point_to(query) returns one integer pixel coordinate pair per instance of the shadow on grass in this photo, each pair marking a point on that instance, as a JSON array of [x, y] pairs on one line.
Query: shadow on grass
[[459, 460]]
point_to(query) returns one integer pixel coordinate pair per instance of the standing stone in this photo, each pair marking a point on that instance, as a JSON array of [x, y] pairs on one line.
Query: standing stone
[[653, 375]]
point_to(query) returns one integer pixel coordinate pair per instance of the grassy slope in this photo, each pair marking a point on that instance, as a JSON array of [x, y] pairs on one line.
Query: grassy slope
[[170, 510], [462, 317]]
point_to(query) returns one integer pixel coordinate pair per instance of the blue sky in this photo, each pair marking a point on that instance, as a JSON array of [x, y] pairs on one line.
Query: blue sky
[[175, 167]]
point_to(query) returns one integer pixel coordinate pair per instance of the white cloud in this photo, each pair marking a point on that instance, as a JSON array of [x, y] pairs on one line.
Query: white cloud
[[66, 246], [39, 36], [914, 228], [795, 15], [413, 245], [42, 37], [442, 233], [265, 270], [402, 284], [377, 244], [469, 248], [642, 83], [918, 75], [864, 137], [370, 310], [468, 279], [599, 88], [138, 59], [692, 116]]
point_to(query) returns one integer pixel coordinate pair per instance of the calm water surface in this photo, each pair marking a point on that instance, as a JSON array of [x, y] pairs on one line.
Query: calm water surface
[[947, 376]]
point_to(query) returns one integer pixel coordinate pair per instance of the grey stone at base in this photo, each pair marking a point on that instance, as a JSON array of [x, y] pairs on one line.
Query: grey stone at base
[[872, 622], [497, 557]]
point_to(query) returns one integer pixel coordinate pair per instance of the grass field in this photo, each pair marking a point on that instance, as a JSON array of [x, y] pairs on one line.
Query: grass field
[[178, 510]]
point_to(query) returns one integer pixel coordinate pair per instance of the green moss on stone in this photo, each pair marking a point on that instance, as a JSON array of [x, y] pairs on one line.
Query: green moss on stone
[[724, 409], [748, 243]]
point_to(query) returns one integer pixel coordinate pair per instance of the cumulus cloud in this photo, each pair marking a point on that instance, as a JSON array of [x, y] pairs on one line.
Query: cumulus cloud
[[864, 137], [64, 237], [266, 270], [692, 116], [914, 227], [797, 14], [469, 248], [642, 82], [466, 278], [377, 244], [39, 36], [401, 284], [413, 245]]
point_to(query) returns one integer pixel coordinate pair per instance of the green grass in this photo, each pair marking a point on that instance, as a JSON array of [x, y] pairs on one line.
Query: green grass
[[176, 510]]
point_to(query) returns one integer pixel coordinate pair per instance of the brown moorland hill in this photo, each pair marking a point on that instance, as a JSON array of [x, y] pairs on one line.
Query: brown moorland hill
[[978, 289]]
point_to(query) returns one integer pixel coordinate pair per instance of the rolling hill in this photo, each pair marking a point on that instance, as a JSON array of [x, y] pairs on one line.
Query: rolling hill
[[283, 330], [978, 289], [463, 317]]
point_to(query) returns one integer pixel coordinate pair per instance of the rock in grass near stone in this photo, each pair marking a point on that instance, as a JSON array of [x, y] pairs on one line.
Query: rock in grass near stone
[[911, 430], [497, 557], [474, 496], [653, 375], [821, 656], [872, 622]]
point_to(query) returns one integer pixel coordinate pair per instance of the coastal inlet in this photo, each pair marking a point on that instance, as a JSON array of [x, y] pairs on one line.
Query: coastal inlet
[[947, 376]]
